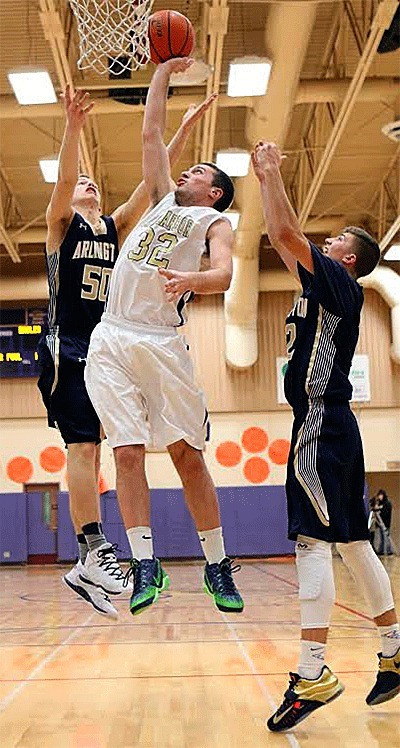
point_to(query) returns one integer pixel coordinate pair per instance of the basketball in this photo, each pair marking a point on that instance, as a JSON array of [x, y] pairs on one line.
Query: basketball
[[171, 34]]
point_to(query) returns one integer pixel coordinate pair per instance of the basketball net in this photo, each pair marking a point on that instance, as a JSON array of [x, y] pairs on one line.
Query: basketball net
[[112, 30]]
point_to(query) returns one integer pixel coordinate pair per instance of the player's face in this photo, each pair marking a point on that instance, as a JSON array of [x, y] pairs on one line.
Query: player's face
[[86, 191], [338, 247], [195, 184]]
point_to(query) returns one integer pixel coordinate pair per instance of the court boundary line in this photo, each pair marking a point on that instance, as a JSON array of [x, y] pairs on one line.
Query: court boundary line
[[263, 688], [7, 700]]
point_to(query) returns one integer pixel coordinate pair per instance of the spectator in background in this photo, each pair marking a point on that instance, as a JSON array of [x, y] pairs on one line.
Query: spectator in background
[[384, 506]]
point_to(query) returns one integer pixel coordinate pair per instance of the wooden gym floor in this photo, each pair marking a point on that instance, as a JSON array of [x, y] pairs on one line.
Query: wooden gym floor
[[182, 674]]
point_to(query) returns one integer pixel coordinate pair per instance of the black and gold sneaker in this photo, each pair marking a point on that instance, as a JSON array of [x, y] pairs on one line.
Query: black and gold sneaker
[[303, 697], [387, 684]]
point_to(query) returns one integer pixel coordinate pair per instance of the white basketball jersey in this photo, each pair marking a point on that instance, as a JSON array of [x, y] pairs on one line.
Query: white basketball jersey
[[169, 236]]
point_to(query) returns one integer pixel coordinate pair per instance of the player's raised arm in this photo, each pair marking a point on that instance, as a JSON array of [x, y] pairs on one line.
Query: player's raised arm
[[283, 226], [156, 166], [127, 215], [59, 212]]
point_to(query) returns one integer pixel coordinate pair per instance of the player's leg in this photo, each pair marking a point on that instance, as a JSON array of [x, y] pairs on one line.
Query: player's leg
[[313, 489], [80, 428], [202, 501], [314, 684], [371, 577], [116, 395], [373, 581], [178, 420], [56, 409], [149, 578]]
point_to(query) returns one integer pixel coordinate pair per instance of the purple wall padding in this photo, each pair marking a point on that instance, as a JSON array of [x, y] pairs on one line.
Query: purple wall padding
[[254, 521], [253, 518], [41, 539], [13, 528], [67, 548]]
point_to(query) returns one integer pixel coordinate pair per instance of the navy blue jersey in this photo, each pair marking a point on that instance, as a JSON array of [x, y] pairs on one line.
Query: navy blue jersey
[[79, 274], [321, 334]]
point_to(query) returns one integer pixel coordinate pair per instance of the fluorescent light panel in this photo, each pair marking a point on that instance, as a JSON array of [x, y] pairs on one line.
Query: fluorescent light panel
[[234, 162], [32, 87], [393, 253], [49, 167], [234, 218], [249, 76]]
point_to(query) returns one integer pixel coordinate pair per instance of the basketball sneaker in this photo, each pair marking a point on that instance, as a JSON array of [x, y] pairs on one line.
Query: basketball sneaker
[[303, 697], [149, 579], [93, 595], [387, 684], [219, 584], [102, 569]]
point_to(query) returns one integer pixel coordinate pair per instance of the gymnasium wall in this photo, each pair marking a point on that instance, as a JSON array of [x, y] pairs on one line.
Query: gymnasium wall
[[250, 431], [254, 390]]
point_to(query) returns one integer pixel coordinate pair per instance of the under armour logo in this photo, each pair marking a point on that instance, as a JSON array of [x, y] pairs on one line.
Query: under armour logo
[[81, 359], [83, 226]]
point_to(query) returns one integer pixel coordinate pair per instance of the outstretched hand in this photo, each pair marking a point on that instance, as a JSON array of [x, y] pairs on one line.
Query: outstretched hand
[[264, 157], [177, 283], [177, 65], [77, 107], [194, 113]]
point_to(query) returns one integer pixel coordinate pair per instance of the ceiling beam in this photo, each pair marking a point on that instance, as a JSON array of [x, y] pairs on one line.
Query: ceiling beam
[[217, 18], [54, 33], [4, 234], [382, 20], [313, 91], [8, 243], [390, 234]]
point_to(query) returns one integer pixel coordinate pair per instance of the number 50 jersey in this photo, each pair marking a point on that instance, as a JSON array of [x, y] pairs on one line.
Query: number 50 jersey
[[169, 236], [79, 274]]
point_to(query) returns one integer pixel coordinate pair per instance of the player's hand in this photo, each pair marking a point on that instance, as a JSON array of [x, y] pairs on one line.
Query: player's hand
[[177, 283], [77, 107], [194, 113], [264, 157], [177, 65]]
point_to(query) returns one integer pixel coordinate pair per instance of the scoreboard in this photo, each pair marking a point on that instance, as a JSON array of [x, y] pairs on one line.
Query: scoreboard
[[20, 330]]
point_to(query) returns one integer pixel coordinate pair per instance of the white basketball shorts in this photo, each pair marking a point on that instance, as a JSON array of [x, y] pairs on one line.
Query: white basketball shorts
[[140, 381]]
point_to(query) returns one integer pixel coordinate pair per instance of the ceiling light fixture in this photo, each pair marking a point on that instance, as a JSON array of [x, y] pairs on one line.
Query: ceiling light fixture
[[393, 253], [32, 86], [249, 76], [234, 162], [49, 167]]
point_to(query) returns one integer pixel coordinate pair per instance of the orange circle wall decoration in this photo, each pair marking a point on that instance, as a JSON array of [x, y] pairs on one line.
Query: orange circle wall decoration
[[279, 451], [19, 469], [228, 454], [52, 459], [256, 470], [254, 439]]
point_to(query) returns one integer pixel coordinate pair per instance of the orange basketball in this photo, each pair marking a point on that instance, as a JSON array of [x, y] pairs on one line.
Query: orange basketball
[[171, 34]]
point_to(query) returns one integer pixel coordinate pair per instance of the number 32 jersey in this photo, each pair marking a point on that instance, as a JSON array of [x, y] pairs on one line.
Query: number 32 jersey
[[169, 236], [79, 275]]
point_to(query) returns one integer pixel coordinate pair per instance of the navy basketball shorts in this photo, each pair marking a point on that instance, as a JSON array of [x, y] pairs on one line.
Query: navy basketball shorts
[[68, 406], [325, 476]]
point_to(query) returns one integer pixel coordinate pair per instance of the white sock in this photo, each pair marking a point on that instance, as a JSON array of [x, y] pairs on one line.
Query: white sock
[[141, 542], [312, 659], [390, 639], [212, 543]]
